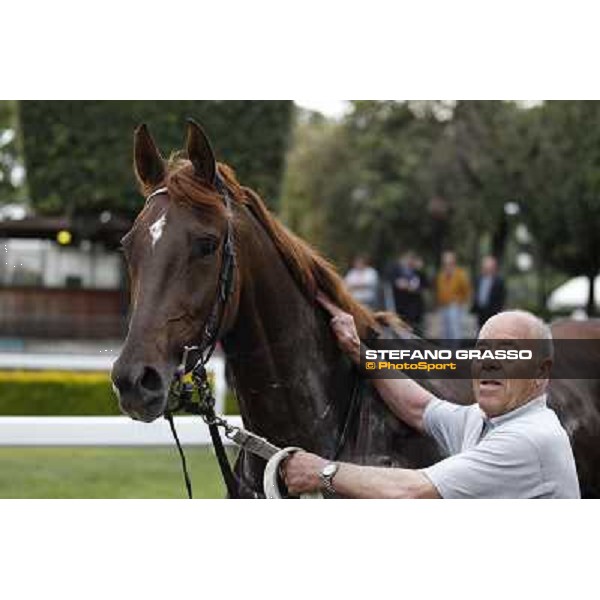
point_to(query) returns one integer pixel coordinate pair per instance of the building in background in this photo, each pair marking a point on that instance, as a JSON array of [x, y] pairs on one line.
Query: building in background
[[61, 279]]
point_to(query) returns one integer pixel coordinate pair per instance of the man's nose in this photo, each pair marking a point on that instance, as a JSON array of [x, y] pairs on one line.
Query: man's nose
[[489, 364]]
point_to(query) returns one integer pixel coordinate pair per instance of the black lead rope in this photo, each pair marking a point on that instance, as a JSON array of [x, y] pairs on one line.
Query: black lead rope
[[186, 475], [226, 472], [203, 407], [229, 478]]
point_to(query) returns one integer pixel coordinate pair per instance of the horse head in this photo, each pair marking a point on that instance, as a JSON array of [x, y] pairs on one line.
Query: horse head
[[174, 252]]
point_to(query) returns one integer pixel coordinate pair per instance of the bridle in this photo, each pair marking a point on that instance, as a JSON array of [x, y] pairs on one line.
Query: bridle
[[212, 326], [186, 382], [190, 389]]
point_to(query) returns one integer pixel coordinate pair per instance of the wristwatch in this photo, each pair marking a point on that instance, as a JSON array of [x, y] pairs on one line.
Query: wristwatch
[[326, 476]]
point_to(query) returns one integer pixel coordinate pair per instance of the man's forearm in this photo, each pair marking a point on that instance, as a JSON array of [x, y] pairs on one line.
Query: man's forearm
[[354, 481], [403, 396]]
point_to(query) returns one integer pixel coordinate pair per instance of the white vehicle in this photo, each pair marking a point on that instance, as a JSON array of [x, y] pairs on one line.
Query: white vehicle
[[573, 295]]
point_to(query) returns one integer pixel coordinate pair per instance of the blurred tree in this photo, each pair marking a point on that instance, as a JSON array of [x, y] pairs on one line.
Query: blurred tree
[[361, 185], [313, 171], [561, 187], [78, 153], [393, 175], [11, 168], [428, 175], [477, 165]]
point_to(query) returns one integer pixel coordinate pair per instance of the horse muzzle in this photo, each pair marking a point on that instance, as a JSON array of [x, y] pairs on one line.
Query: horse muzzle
[[141, 391]]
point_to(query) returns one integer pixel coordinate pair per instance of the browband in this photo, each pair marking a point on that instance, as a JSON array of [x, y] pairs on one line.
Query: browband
[[161, 190]]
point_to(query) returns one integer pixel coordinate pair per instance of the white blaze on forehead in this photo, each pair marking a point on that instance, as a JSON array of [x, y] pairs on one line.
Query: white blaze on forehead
[[156, 229]]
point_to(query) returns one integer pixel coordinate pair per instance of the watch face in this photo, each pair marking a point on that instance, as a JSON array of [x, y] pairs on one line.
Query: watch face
[[329, 470]]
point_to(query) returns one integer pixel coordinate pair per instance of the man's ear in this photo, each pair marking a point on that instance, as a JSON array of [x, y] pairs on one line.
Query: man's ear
[[545, 369], [200, 153], [148, 163]]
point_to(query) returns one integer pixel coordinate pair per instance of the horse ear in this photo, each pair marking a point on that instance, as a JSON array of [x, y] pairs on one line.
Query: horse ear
[[200, 152], [148, 163]]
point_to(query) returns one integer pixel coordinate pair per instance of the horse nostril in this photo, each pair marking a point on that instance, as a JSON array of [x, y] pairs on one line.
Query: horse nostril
[[151, 380], [122, 381]]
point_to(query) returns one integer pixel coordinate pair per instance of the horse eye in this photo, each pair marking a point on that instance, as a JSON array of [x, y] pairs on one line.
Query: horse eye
[[204, 247]]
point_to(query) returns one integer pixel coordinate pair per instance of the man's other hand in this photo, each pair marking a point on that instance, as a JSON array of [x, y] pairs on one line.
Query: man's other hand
[[343, 327], [301, 472]]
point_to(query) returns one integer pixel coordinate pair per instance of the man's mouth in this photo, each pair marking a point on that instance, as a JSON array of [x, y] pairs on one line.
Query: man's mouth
[[490, 384]]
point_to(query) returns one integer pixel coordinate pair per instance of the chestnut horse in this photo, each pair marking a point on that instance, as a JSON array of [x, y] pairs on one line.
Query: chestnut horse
[[295, 387]]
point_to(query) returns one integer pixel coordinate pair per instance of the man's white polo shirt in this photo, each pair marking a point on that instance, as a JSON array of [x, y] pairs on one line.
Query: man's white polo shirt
[[522, 454]]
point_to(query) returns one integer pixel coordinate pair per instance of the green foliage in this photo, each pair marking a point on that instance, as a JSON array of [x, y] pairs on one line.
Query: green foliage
[[382, 169], [79, 153], [318, 174], [427, 175], [56, 394], [475, 167], [562, 183], [360, 185]]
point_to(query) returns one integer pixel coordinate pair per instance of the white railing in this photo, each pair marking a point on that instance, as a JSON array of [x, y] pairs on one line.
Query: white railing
[[99, 431], [102, 431]]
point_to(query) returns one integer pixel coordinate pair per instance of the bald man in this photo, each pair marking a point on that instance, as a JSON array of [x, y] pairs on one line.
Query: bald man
[[507, 445]]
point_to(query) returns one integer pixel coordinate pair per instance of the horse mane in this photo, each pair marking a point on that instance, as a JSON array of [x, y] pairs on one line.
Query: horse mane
[[311, 270]]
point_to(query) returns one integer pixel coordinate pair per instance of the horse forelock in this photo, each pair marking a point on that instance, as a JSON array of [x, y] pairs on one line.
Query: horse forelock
[[311, 270], [184, 187]]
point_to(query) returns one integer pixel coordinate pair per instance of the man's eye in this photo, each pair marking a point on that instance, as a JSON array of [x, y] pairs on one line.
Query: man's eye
[[204, 247]]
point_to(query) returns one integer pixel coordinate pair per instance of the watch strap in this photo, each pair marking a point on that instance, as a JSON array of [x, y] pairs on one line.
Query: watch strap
[[327, 480]]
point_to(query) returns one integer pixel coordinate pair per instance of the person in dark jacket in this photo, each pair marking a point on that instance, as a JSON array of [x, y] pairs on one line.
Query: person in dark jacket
[[490, 292], [408, 282]]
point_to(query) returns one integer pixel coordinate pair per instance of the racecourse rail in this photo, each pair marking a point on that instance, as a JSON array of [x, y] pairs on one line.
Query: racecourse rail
[[100, 431]]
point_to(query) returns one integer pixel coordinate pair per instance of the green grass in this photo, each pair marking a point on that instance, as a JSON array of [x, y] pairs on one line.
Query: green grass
[[100, 472]]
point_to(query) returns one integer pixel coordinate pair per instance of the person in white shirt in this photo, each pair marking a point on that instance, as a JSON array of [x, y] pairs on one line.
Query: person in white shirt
[[363, 282], [509, 444]]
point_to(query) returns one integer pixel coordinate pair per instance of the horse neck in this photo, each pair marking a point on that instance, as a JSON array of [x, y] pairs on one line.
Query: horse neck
[[292, 382]]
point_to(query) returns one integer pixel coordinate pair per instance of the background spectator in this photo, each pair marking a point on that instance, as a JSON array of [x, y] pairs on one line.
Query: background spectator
[[408, 282], [453, 292], [490, 291], [363, 282]]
